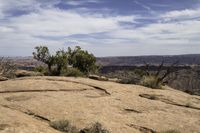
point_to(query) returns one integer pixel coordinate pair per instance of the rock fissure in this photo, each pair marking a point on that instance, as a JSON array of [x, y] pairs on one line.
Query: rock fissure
[[46, 90], [132, 110], [93, 86], [167, 101], [142, 129], [28, 112]]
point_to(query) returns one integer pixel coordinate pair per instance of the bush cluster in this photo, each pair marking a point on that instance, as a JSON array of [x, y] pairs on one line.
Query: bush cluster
[[81, 61], [137, 76]]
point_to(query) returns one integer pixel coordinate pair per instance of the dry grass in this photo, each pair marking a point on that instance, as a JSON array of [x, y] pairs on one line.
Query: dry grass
[[151, 82], [64, 126], [95, 128]]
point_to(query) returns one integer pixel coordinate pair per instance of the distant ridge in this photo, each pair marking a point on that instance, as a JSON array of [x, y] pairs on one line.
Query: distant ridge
[[190, 59]]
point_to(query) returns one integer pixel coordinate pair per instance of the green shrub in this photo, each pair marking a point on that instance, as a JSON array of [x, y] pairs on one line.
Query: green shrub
[[42, 54], [82, 60], [151, 81], [72, 72], [42, 70], [77, 58], [64, 126]]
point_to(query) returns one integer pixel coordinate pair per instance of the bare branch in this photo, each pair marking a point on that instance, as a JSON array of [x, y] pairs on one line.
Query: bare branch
[[168, 71], [160, 68], [146, 68]]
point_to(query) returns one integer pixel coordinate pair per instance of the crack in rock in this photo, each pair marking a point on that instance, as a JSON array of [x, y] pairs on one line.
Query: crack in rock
[[93, 86], [167, 101], [142, 129], [132, 110], [96, 87], [37, 116], [46, 90], [28, 112]]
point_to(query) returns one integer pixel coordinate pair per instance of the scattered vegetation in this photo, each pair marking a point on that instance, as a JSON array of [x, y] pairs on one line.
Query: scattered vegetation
[[187, 80], [145, 76], [24, 73], [41, 69], [125, 77], [65, 126], [156, 79], [184, 78], [151, 81], [82, 61], [7, 68], [72, 72]]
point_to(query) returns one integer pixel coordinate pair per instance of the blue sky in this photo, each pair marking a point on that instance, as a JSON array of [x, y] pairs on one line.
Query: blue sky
[[103, 27]]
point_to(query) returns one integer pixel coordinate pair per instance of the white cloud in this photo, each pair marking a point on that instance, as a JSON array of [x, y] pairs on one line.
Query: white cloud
[[36, 28], [162, 38], [181, 14], [55, 22], [77, 3], [20, 34]]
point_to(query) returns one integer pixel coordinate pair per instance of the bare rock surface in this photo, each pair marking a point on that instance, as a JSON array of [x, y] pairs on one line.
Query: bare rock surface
[[27, 105]]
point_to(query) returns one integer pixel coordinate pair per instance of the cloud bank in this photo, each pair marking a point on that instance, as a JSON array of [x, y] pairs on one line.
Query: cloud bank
[[25, 24]]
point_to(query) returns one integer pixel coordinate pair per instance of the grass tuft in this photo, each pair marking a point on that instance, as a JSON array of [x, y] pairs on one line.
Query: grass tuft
[[151, 82], [95, 128], [64, 126]]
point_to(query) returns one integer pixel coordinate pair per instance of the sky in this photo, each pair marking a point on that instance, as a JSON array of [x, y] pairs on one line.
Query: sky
[[103, 27]]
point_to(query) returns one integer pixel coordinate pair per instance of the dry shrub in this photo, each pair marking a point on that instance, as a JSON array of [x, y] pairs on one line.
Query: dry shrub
[[64, 126], [151, 81], [7, 68], [24, 73], [95, 128]]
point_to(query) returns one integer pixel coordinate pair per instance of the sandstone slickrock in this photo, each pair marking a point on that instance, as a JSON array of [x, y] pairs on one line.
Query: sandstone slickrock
[[27, 105]]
